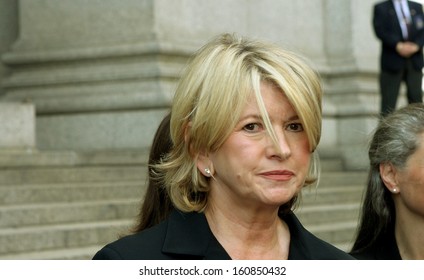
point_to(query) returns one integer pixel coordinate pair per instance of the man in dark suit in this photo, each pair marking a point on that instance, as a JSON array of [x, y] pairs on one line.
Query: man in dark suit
[[399, 24]]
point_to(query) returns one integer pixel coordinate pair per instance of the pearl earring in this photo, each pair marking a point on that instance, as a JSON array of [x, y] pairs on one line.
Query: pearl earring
[[395, 190], [208, 171]]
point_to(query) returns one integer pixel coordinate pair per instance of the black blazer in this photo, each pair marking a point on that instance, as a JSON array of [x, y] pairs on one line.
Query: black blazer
[[187, 236], [387, 29]]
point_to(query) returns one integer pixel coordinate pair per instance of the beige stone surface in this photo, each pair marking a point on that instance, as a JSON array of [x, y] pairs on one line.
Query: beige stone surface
[[17, 126]]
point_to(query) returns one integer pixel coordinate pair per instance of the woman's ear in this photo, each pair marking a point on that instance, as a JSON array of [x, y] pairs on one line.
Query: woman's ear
[[204, 164], [388, 174]]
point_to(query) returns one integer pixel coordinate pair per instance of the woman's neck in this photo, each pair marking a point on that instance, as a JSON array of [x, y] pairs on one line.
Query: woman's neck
[[247, 235], [409, 232]]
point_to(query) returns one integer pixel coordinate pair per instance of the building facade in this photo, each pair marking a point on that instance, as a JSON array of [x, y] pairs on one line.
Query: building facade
[[99, 75]]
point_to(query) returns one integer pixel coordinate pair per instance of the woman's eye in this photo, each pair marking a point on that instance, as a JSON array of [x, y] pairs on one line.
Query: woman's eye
[[252, 127], [295, 127]]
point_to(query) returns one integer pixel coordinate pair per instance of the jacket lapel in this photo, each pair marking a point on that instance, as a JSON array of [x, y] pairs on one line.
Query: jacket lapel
[[189, 236]]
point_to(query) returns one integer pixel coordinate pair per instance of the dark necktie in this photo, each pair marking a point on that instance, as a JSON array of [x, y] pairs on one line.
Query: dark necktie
[[406, 20]]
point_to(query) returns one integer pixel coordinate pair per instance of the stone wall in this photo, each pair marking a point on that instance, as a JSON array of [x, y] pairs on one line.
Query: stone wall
[[101, 73]]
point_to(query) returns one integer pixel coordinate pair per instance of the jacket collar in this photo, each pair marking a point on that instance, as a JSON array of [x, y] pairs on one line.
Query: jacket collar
[[299, 239], [189, 235]]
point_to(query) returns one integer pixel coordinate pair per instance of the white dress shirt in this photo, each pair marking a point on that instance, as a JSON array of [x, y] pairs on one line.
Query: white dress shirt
[[405, 17]]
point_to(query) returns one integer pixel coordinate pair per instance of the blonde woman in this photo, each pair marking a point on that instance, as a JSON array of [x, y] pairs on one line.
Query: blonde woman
[[245, 122]]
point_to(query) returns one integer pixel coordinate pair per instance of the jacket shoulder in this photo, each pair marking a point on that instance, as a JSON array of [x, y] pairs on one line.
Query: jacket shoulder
[[143, 245], [305, 245], [323, 250]]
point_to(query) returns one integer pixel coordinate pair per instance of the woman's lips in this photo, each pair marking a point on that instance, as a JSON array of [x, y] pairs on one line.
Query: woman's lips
[[279, 175]]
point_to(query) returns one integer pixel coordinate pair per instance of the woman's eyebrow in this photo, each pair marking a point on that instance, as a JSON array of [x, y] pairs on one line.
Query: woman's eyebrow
[[259, 117], [251, 116], [293, 118]]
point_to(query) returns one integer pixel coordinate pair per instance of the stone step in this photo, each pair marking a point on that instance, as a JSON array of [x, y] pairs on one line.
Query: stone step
[[71, 208], [60, 237], [75, 174], [328, 213], [32, 158], [342, 178], [334, 233], [18, 216], [70, 192], [331, 210], [331, 164], [318, 196], [77, 253]]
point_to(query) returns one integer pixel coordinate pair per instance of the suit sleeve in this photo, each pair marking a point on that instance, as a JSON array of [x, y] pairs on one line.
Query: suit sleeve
[[419, 25], [381, 27]]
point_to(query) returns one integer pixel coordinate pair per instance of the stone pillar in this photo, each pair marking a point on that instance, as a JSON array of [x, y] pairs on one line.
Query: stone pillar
[[8, 31], [350, 80], [94, 70], [17, 121]]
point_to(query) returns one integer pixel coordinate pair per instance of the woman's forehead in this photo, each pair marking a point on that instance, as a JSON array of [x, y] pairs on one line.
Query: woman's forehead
[[273, 100]]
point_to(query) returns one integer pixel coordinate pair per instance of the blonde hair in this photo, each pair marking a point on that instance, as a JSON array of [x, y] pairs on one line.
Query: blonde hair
[[210, 97]]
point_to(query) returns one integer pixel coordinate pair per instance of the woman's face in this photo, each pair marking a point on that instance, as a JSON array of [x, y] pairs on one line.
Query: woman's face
[[249, 170], [411, 182]]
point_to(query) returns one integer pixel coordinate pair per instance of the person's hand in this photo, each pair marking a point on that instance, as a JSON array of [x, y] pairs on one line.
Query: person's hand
[[406, 49]]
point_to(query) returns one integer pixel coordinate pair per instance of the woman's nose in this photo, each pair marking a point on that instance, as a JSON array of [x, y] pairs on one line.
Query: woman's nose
[[279, 149]]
